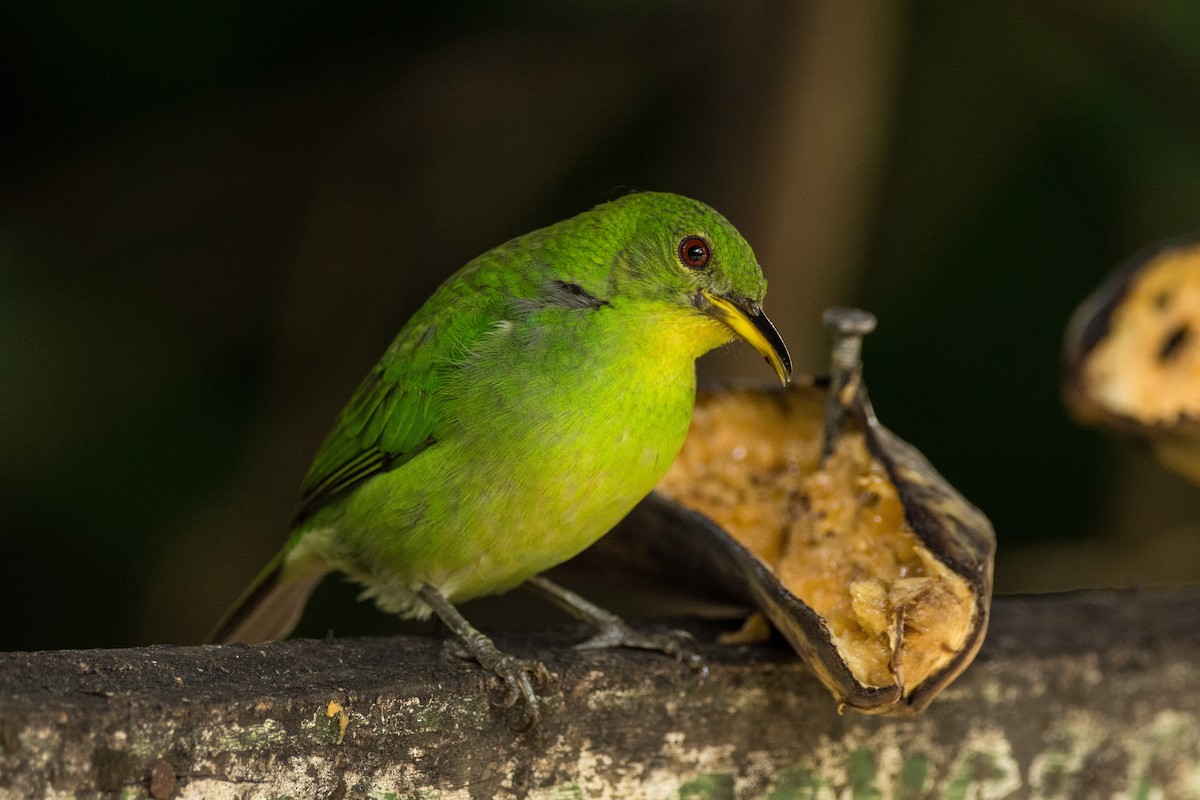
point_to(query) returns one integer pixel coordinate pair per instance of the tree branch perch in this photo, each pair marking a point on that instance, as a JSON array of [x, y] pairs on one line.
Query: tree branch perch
[[1081, 695]]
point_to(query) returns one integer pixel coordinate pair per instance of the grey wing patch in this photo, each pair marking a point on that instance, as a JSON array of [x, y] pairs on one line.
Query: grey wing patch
[[570, 295]]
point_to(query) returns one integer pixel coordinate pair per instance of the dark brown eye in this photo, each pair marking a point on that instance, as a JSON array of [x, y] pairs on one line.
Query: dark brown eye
[[694, 252]]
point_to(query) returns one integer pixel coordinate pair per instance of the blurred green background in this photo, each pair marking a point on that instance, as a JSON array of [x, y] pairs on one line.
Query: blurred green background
[[213, 218]]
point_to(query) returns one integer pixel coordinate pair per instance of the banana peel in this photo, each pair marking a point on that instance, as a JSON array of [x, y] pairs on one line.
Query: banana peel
[[875, 569]]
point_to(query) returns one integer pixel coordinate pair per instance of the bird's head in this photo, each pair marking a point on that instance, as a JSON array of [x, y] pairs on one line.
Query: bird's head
[[682, 252]]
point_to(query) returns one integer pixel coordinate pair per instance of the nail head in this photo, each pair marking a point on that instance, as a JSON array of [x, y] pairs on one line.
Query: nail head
[[849, 321]]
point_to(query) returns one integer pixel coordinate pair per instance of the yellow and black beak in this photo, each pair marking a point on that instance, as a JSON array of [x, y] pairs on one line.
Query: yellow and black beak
[[747, 320]]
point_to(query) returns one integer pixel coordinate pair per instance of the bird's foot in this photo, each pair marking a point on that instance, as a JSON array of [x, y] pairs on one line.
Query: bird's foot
[[678, 644], [612, 631], [522, 677]]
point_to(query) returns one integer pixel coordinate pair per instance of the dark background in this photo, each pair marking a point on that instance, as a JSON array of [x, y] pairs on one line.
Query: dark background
[[213, 218]]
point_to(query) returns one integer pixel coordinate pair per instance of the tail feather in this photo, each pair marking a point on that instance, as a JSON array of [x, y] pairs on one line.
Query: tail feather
[[269, 609]]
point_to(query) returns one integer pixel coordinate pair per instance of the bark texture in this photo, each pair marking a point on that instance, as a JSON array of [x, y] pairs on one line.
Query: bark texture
[[1083, 695]]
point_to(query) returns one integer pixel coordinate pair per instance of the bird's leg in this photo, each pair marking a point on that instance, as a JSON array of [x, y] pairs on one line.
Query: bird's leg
[[518, 674], [612, 631]]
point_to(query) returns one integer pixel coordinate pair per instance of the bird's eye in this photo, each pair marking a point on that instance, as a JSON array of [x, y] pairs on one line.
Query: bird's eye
[[694, 252]]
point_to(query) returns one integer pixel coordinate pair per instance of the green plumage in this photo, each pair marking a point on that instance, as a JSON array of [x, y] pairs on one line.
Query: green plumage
[[523, 410]]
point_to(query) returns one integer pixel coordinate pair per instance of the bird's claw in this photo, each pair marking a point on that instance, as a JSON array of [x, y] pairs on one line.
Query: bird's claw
[[522, 678], [678, 644]]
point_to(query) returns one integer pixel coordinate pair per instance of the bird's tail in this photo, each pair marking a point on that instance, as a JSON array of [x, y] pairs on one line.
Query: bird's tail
[[270, 608]]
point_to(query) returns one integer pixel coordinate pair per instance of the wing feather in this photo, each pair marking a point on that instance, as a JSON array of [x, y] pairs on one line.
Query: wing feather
[[396, 411]]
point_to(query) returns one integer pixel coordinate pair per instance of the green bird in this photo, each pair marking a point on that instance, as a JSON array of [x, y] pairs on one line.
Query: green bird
[[536, 397]]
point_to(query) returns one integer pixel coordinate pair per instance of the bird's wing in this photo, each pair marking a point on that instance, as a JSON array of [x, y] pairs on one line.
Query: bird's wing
[[395, 412]]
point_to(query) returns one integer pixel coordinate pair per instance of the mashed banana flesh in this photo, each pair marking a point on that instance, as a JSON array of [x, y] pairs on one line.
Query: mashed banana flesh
[[835, 533], [1147, 367]]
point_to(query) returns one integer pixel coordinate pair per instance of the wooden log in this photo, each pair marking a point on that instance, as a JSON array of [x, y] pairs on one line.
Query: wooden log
[[1081, 695]]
